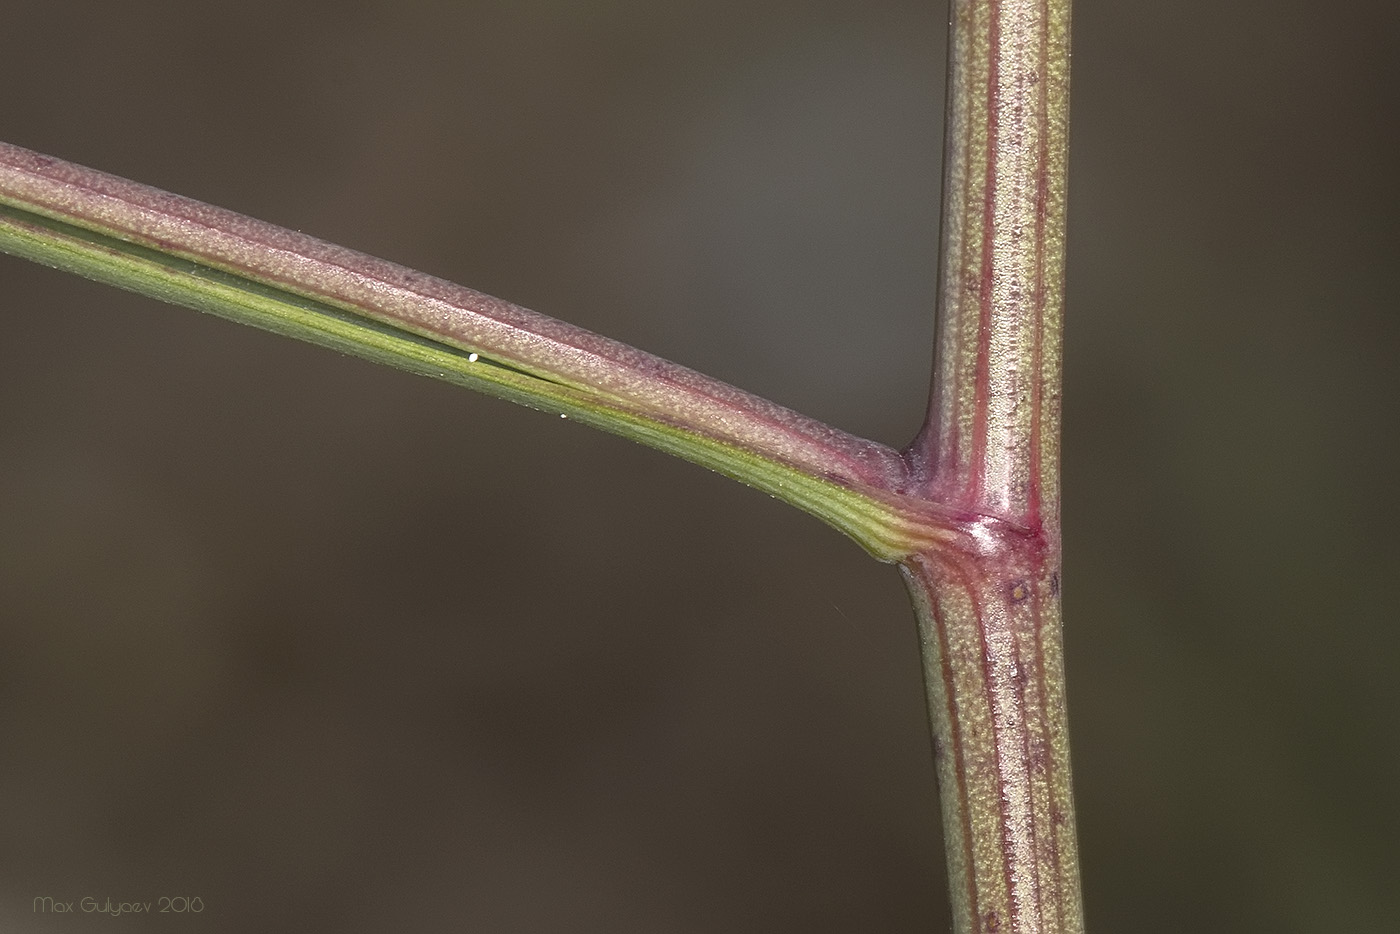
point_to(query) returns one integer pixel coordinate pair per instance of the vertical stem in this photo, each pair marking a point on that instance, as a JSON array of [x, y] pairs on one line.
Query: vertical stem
[[994, 668], [988, 600], [991, 440]]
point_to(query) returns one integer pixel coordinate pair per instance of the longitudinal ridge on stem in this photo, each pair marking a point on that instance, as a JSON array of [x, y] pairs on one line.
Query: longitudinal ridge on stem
[[608, 371], [989, 617], [991, 438]]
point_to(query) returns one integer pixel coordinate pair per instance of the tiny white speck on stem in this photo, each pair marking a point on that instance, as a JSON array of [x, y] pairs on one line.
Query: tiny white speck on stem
[[472, 358]]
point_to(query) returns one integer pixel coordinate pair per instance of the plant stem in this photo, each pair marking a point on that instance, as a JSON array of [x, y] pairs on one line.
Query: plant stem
[[183, 251], [970, 510], [988, 601]]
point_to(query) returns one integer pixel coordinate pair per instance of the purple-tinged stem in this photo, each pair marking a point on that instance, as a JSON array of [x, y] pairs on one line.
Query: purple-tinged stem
[[991, 440], [988, 600], [610, 372]]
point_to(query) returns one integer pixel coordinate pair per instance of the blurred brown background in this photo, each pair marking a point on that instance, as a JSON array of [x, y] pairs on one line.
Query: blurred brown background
[[333, 648]]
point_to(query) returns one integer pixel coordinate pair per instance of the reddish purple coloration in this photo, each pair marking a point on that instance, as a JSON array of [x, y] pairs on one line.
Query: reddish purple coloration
[[988, 589], [546, 347]]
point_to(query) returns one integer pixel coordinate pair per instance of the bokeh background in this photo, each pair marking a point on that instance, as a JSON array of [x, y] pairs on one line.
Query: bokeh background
[[333, 648]]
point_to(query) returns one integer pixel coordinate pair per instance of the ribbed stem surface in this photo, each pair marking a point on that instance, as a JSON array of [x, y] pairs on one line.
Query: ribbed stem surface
[[991, 637], [989, 599]]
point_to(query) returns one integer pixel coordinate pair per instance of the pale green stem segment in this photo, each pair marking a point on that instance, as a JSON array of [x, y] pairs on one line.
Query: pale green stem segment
[[188, 253], [989, 614]]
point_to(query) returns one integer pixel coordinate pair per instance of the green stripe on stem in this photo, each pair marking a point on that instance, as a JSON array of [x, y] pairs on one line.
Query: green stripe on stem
[[191, 254]]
